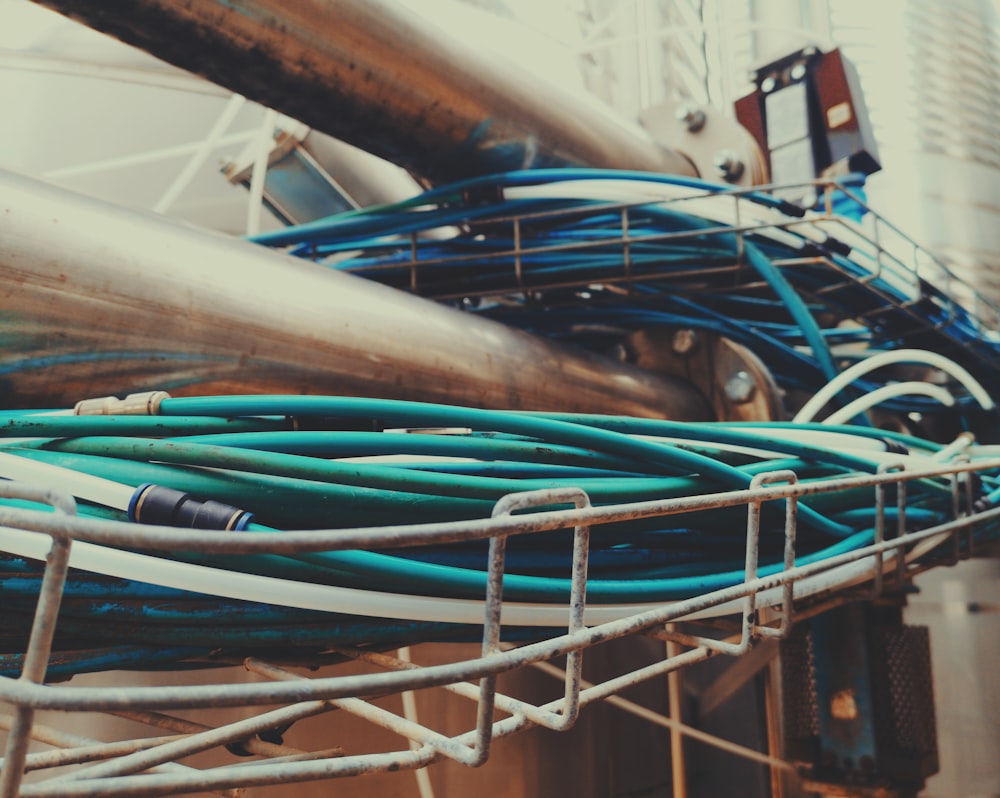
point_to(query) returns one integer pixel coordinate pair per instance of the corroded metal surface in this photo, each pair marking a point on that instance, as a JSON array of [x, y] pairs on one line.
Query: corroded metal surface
[[383, 78], [99, 300]]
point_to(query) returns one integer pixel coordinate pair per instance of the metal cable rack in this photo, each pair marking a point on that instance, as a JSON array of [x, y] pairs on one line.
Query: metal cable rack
[[762, 607], [868, 271]]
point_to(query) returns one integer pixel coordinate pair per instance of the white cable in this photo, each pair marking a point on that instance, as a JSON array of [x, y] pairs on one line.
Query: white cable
[[847, 376], [871, 449], [287, 593], [985, 451], [424, 786], [82, 486], [821, 439], [962, 443], [281, 592], [865, 403], [325, 598], [694, 443], [369, 603]]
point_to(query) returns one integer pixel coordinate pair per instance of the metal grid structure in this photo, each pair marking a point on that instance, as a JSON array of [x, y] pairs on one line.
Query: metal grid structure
[[759, 608], [905, 290]]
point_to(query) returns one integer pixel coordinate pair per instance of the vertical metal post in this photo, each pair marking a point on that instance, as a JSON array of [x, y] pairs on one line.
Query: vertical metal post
[[750, 626], [900, 530], [626, 249], [750, 570], [740, 241], [413, 262], [36, 658], [678, 767], [772, 709], [791, 525], [491, 645], [518, 266], [577, 606], [961, 488], [880, 528]]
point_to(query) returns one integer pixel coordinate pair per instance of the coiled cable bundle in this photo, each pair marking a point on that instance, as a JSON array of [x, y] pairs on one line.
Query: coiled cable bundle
[[249, 464], [565, 252]]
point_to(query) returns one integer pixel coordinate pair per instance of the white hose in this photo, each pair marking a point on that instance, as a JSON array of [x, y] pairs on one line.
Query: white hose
[[847, 376], [986, 451], [823, 439], [250, 587], [961, 445], [82, 486], [206, 580], [424, 787], [865, 445], [865, 403], [369, 603]]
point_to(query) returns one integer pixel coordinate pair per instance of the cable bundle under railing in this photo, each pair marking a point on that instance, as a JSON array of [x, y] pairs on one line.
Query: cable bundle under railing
[[572, 253], [245, 465]]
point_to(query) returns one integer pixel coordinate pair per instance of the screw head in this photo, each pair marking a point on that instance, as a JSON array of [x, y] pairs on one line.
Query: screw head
[[684, 342], [691, 116], [728, 165], [740, 388]]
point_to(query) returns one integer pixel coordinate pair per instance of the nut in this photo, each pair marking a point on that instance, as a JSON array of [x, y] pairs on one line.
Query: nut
[[691, 116], [740, 388], [684, 342], [728, 165]]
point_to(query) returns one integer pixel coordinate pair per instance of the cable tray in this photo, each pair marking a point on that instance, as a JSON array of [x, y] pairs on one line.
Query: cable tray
[[868, 273], [762, 607]]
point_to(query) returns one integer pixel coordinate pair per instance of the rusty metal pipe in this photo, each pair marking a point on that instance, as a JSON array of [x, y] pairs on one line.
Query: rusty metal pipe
[[98, 300], [381, 77]]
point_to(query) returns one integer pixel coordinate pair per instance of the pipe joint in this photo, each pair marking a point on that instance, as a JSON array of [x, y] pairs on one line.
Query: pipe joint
[[162, 506], [135, 404]]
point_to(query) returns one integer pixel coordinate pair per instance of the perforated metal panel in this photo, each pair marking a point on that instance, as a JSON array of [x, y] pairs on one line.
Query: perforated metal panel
[[892, 681], [906, 732], [800, 706]]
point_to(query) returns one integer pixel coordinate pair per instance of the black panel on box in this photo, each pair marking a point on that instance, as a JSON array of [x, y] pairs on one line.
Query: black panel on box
[[809, 118]]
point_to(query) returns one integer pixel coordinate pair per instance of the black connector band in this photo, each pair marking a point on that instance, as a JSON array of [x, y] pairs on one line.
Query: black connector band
[[161, 506]]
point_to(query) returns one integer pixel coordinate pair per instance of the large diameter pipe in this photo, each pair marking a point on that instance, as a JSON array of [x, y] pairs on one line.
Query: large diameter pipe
[[98, 300], [379, 76]]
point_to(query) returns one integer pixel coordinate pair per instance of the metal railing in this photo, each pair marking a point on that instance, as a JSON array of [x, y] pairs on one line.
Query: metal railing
[[901, 280], [894, 554]]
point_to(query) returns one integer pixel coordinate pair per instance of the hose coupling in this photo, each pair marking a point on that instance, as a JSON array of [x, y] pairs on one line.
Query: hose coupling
[[135, 404], [163, 506]]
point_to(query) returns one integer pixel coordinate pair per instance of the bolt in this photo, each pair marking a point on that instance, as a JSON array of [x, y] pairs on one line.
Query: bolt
[[691, 116], [768, 84], [728, 165], [684, 342], [740, 388], [798, 71]]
